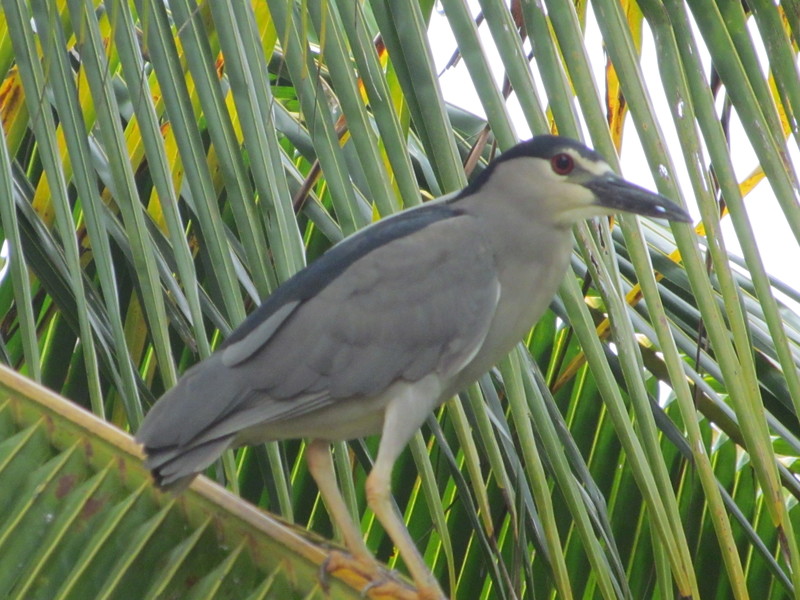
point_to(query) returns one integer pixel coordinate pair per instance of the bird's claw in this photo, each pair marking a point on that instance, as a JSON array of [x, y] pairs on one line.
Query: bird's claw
[[380, 583], [390, 587]]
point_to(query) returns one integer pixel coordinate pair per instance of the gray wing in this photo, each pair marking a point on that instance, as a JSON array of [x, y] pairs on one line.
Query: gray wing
[[399, 308], [417, 305]]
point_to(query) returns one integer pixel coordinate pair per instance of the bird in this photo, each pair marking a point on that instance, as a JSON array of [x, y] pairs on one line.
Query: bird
[[388, 324]]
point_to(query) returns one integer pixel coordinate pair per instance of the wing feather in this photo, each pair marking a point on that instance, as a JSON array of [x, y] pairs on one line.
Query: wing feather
[[419, 305], [397, 310]]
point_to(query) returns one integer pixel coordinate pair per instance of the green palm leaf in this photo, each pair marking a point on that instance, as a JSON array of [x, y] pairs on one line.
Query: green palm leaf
[[168, 167], [81, 519]]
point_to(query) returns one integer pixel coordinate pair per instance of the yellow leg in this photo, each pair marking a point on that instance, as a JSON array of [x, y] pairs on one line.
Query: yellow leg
[[400, 423], [362, 565], [320, 464]]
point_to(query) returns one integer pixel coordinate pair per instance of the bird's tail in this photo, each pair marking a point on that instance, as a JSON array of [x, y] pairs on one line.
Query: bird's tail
[[175, 467], [178, 433]]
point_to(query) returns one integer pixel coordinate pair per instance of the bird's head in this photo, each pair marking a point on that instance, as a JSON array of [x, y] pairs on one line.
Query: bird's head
[[570, 182]]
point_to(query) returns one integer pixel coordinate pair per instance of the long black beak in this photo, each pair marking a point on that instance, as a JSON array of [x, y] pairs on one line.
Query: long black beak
[[611, 191]]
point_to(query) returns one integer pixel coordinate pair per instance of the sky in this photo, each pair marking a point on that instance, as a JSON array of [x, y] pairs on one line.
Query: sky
[[779, 250]]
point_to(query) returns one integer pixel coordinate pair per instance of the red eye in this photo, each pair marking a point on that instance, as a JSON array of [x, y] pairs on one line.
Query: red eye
[[562, 163]]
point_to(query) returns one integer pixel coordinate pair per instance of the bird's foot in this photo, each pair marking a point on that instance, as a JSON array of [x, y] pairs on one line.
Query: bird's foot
[[375, 581], [348, 567]]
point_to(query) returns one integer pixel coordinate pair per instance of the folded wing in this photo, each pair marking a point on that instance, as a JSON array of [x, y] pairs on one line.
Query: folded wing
[[382, 309]]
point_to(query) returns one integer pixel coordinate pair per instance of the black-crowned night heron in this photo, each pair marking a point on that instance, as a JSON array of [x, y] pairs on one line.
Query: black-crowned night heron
[[390, 323]]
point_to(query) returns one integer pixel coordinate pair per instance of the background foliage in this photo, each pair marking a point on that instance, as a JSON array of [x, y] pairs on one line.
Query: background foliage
[[166, 167]]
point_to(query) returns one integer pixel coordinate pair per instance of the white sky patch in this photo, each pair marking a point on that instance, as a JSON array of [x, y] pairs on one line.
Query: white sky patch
[[4, 259], [779, 249]]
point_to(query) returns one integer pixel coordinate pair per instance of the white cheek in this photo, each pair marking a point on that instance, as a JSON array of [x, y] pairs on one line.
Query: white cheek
[[597, 168], [578, 204]]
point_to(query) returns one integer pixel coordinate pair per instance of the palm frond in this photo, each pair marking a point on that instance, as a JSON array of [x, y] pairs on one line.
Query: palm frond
[[167, 166]]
